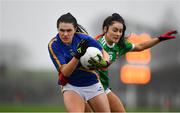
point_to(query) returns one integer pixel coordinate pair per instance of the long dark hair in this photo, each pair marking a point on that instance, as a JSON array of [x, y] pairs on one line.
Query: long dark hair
[[69, 18], [109, 21]]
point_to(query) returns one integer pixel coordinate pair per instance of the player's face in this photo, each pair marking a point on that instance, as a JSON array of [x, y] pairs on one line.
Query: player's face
[[66, 32], [114, 32]]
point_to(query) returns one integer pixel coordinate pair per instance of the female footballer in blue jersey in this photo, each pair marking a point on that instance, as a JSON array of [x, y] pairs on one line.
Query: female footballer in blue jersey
[[79, 85], [114, 43]]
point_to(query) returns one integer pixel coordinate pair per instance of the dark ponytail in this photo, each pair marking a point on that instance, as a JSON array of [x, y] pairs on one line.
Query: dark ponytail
[[69, 18], [109, 21]]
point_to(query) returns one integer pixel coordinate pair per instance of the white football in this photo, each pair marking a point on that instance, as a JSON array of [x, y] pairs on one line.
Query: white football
[[90, 52]]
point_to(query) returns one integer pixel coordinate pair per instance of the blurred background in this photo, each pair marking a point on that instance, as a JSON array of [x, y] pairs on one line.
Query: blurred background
[[28, 78]]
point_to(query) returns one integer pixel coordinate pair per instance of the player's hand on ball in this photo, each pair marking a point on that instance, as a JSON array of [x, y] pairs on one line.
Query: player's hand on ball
[[100, 63], [167, 35], [81, 48]]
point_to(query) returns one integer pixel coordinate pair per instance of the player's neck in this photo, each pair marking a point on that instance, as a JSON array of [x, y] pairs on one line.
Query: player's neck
[[109, 43]]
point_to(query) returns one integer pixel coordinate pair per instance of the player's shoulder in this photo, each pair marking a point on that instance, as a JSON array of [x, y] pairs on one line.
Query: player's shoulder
[[53, 40], [127, 42], [98, 37], [81, 34], [53, 43]]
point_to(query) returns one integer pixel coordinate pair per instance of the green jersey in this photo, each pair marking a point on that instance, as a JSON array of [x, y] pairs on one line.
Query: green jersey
[[114, 51]]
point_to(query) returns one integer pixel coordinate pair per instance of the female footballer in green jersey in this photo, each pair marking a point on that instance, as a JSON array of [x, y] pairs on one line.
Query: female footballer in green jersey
[[114, 43]]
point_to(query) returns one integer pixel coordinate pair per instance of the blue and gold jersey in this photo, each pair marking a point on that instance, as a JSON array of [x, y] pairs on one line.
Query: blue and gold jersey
[[62, 53]]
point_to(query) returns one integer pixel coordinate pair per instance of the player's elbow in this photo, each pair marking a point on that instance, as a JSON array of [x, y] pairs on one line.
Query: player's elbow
[[65, 74]]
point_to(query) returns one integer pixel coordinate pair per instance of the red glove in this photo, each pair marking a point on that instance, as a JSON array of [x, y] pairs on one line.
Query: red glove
[[62, 79], [168, 35]]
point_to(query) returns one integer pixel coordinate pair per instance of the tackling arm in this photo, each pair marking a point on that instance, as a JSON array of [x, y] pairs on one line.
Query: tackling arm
[[150, 43], [145, 45]]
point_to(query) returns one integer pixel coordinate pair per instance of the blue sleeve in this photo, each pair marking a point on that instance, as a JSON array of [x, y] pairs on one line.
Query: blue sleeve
[[127, 47], [56, 55]]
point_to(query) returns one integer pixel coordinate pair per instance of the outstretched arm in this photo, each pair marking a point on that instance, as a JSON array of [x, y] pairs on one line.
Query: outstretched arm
[[145, 45], [150, 43]]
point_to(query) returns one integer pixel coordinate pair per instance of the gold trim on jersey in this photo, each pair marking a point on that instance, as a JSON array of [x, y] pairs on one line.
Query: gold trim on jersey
[[52, 52]]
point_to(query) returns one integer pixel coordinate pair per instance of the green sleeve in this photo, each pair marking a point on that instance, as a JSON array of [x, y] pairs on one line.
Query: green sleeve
[[128, 46]]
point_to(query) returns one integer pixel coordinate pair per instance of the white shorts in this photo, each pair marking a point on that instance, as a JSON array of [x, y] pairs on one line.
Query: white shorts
[[87, 92], [107, 91]]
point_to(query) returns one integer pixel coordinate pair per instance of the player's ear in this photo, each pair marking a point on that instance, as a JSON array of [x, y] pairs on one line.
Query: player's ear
[[105, 29]]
